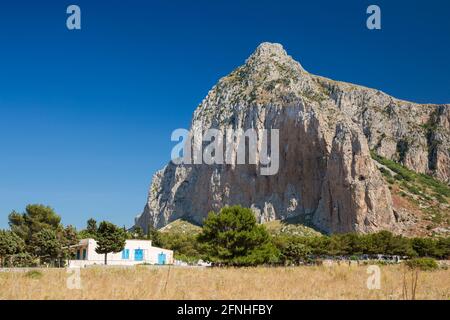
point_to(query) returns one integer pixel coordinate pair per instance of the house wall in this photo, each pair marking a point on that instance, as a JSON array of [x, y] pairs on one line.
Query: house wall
[[150, 254]]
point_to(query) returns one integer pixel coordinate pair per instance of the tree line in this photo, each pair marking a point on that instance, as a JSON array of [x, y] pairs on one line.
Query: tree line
[[231, 237], [37, 237]]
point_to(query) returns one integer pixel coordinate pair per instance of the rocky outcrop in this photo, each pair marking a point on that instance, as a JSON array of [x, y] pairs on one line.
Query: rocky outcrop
[[326, 128], [415, 135]]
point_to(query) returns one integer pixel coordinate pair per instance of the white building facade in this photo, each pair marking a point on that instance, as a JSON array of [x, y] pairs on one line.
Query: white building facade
[[135, 252]]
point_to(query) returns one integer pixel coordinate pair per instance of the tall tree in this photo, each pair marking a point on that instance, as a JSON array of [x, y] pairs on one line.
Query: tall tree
[[68, 237], [35, 218], [138, 233], [91, 226], [233, 237], [110, 239], [155, 236], [10, 244], [90, 231], [46, 245]]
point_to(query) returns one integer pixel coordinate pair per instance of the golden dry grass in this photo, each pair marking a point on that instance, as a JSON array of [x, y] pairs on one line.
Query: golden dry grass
[[337, 282]]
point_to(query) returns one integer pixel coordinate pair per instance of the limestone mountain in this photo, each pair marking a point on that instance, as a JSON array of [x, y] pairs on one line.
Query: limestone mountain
[[327, 176]]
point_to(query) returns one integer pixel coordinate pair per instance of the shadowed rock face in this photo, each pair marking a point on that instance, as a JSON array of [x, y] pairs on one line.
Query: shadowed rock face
[[326, 174]]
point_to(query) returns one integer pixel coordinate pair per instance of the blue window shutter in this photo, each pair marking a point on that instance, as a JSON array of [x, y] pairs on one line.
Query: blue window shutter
[[138, 254]]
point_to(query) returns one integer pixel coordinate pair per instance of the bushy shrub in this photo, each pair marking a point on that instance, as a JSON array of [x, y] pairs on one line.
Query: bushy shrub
[[22, 260], [424, 264]]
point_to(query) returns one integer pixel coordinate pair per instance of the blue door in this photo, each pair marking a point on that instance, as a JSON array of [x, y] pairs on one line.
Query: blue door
[[161, 258], [138, 254], [84, 254]]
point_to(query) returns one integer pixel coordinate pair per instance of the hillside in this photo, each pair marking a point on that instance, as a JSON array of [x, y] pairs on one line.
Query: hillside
[[181, 226], [421, 203], [278, 227]]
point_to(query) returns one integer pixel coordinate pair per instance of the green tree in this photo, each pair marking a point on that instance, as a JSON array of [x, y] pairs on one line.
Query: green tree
[[138, 233], [155, 236], [68, 237], [110, 239], [35, 218], [353, 244], [424, 264], [384, 242], [233, 237], [319, 244], [46, 245], [379, 243], [91, 226], [293, 249], [400, 245], [424, 247], [10, 244], [185, 246], [91, 230], [338, 246], [443, 248], [23, 259]]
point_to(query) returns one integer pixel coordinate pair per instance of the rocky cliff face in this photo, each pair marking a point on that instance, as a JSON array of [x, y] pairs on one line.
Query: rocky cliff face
[[326, 174]]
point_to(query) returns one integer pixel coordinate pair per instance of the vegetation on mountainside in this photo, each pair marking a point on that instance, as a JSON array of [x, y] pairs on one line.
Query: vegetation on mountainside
[[423, 182], [428, 195], [279, 227], [181, 226]]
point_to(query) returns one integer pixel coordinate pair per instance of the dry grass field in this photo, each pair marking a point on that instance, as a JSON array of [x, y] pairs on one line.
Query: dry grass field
[[142, 282]]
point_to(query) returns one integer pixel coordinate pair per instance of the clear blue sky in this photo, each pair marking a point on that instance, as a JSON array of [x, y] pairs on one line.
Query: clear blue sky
[[86, 116]]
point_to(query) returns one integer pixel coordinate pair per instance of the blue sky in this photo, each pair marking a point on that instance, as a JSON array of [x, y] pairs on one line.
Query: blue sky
[[86, 116]]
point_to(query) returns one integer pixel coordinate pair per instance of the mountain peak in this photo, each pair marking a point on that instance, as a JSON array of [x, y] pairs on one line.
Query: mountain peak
[[268, 52], [270, 49]]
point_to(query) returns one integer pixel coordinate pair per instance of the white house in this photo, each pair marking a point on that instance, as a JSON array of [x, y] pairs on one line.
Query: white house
[[135, 252]]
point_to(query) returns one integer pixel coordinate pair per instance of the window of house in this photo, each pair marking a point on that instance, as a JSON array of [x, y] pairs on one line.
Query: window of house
[[126, 254], [138, 255]]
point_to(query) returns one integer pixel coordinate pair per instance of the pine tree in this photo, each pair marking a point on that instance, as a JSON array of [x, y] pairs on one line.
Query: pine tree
[[110, 239]]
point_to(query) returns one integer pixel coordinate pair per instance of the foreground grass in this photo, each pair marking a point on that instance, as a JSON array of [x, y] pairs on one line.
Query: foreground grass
[[337, 282]]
